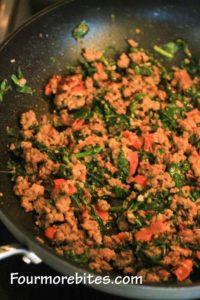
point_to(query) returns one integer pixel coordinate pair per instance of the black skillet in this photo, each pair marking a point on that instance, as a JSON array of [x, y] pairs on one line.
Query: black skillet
[[44, 46]]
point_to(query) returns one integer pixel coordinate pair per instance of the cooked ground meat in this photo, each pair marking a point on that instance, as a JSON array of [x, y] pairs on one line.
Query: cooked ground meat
[[113, 175]]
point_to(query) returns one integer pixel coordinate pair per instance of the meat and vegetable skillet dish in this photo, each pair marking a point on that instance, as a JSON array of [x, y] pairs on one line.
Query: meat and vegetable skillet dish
[[112, 175]]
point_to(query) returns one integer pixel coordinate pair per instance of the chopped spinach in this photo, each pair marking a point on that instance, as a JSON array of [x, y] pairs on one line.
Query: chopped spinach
[[195, 140], [4, 88], [12, 133], [143, 70], [95, 174], [143, 155], [15, 168], [168, 50], [178, 171], [88, 151], [170, 115], [20, 82], [94, 215], [83, 114], [80, 30], [56, 154], [78, 258], [194, 194], [64, 171], [123, 166], [161, 151], [120, 192]]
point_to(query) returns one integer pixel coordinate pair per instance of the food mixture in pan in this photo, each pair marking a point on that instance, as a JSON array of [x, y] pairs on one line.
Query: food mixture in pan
[[113, 174]]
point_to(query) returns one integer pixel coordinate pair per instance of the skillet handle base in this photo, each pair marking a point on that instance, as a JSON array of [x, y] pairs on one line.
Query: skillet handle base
[[16, 249]]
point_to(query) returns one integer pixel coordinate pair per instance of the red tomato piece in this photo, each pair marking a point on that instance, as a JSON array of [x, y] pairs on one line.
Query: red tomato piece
[[133, 159], [164, 273], [77, 125], [148, 142], [144, 235], [50, 232], [99, 67], [71, 190], [141, 180], [78, 89], [198, 254], [184, 270], [103, 215], [126, 134], [137, 144], [47, 89], [121, 235], [57, 183], [60, 181]]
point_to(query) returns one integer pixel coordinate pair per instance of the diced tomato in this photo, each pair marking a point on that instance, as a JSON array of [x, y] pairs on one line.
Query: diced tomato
[[148, 142], [133, 159], [144, 235], [88, 195], [198, 254], [71, 190], [60, 181], [103, 215], [141, 180], [121, 235], [133, 163], [158, 227], [78, 89], [164, 273], [99, 67], [126, 134], [147, 233], [137, 144], [57, 183], [47, 89], [184, 270], [50, 232], [77, 125], [88, 141]]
